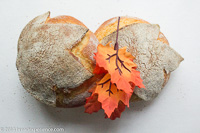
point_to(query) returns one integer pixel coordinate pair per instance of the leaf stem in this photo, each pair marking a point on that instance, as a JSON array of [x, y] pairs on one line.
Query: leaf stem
[[116, 47], [116, 43]]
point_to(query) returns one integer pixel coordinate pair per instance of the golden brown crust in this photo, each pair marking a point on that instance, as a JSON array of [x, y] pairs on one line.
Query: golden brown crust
[[109, 27], [84, 49], [63, 20]]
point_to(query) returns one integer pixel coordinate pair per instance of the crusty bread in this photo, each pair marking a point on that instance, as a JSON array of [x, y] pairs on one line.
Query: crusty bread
[[131, 31], [55, 60], [110, 25]]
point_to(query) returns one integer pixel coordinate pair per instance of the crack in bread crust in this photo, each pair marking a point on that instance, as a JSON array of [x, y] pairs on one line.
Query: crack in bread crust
[[76, 96], [43, 60], [77, 50]]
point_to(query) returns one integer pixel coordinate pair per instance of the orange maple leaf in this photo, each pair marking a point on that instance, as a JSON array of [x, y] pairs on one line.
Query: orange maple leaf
[[112, 93], [109, 96], [93, 105], [120, 66], [117, 112]]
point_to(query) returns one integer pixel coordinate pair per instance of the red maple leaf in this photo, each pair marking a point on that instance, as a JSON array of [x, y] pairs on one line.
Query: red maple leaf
[[92, 104]]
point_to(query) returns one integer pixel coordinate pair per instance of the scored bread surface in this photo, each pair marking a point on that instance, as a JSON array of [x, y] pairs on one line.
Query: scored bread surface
[[51, 62], [154, 57]]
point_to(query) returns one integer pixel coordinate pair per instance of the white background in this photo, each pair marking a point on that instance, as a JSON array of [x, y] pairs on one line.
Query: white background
[[175, 110]]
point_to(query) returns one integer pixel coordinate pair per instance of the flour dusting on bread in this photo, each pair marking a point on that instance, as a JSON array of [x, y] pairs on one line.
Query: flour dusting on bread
[[152, 56]]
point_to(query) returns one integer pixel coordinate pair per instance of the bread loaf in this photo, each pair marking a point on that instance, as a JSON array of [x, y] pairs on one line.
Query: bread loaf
[[154, 57], [55, 60]]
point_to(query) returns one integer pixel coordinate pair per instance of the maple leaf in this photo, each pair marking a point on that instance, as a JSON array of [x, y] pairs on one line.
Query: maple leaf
[[109, 96], [92, 104], [120, 66], [117, 112], [112, 93], [99, 70]]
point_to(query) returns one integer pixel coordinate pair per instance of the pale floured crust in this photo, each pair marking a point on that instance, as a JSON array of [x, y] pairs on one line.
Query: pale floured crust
[[48, 62], [153, 57]]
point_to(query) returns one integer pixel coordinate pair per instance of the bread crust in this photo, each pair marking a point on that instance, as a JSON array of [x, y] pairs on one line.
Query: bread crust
[[124, 21], [52, 59], [63, 20], [109, 27]]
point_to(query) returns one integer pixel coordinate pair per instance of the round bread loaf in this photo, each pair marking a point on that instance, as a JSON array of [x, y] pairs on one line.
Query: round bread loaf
[[55, 60], [143, 40]]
